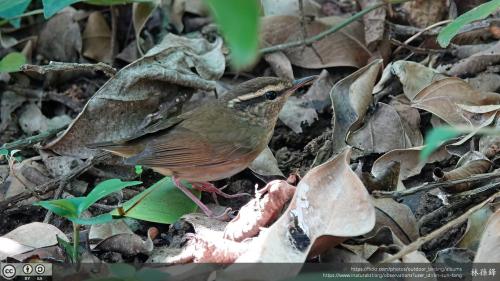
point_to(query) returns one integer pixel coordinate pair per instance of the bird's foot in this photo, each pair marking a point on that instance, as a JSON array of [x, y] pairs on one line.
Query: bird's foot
[[210, 188], [225, 216]]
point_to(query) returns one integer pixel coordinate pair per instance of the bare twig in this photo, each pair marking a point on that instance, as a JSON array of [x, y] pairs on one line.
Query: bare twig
[[418, 34], [419, 49], [329, 31], [440, 231], [33, 139], [432, 185], [66, 66]]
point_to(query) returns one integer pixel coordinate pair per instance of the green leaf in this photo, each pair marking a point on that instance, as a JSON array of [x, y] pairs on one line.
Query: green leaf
[[479, 12], [163, 202], [12, 62], [67, 247], [138, 169], [13, 8], [4, 152], [436, 137], [51, 7], [239, 22], [104, 218], [102, 190], [67, 208]]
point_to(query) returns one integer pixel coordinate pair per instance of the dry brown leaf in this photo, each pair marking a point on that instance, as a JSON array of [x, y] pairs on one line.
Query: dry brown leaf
[[422, 13], [167, 73], [314, 101], [414, 76], [454, 101], [29, 235], [100, 232], [472, 163], [410, 118], [259, 212], [330, 202], [409, 159], [129, 244], [387, 180], [280, 64], [178, 8], [374, 23], [10, 248], [477, 62], [60, 39], [490, 241], [344, 48], [384, 131], [485, 82], [9, 103], [141, 12], [266, 164], [476, 224], [97, 38], [398, 217], [351, 98]]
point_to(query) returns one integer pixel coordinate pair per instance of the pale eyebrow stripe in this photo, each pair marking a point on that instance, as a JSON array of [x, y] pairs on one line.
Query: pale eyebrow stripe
[[257, 94]]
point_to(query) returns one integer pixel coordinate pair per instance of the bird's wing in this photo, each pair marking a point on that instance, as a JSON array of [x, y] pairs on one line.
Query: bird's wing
[[182, 147]]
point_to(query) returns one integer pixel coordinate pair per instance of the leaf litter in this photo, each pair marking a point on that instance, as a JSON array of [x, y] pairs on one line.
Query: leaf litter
[[354, 135]]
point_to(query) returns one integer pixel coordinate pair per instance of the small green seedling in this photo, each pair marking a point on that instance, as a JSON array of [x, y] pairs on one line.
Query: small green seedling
[[72, 208]]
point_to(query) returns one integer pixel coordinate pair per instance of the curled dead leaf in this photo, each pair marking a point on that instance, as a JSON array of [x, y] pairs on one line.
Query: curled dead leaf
[[259, 212], [398, 217], [446, 99], [167, 74], [351, 97], [97, 38], [330, 201], [472, 163]]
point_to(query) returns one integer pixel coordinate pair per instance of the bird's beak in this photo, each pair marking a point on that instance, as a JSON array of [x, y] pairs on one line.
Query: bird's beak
[[298, 83]]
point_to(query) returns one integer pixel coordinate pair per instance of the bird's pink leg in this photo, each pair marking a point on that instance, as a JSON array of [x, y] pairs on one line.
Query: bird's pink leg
[[193, 197]]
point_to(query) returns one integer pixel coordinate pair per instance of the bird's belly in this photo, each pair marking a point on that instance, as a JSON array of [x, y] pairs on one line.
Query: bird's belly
[[208, 172]]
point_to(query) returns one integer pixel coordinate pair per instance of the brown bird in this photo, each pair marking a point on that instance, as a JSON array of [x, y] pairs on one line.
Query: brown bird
[[213, 141]]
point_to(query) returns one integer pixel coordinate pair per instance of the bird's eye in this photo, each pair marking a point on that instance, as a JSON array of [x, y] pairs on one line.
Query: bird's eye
[[271, 95]]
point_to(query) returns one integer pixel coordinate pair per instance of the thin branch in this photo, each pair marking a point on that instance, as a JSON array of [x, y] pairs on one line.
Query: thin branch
[[33, 139], [428, 186], [66, 66], [440, 231], [329, 31]]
